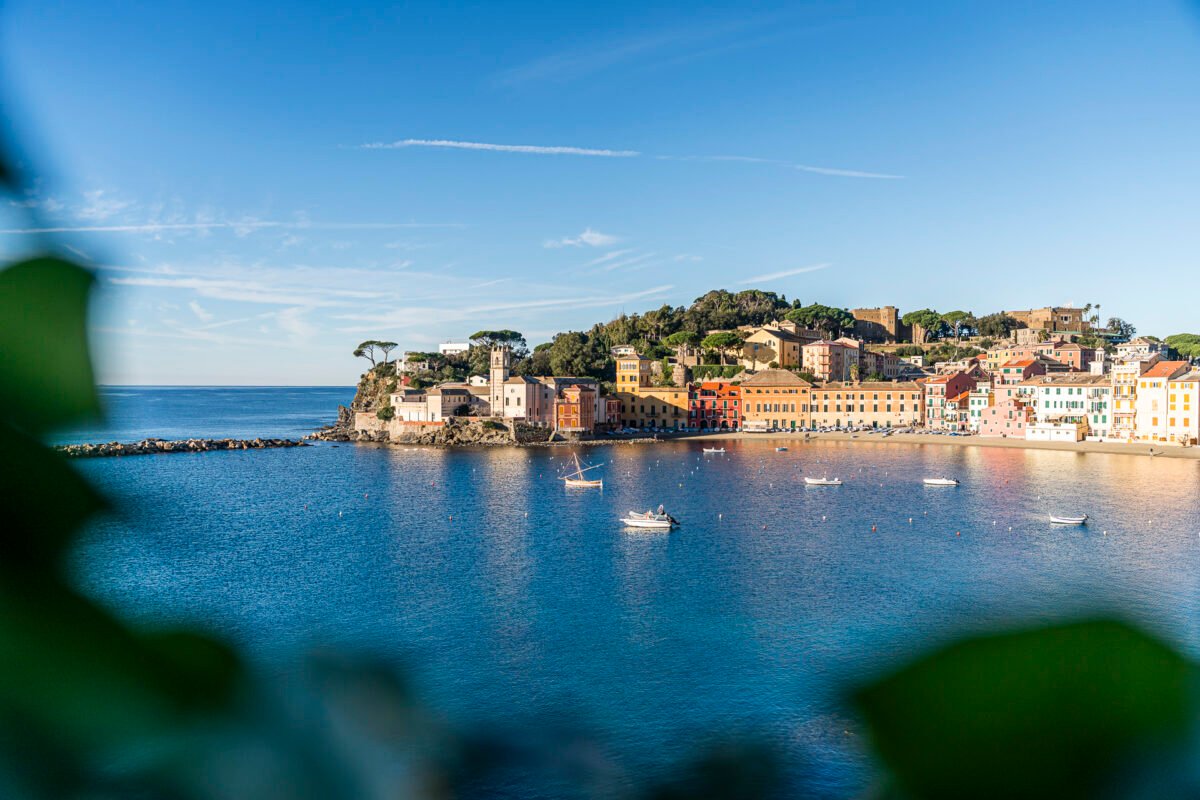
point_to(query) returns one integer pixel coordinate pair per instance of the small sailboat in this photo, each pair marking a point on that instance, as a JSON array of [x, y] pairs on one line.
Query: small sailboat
[[826, 481], [655, 520], [1068, 519], [941, 482], [714, 449], [576, 480]]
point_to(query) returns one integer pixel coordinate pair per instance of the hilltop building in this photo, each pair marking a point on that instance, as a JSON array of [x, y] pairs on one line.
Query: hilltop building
[[1052, 319]]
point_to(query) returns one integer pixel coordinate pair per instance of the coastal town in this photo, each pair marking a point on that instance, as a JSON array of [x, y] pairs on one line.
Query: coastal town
[[1051, 374]]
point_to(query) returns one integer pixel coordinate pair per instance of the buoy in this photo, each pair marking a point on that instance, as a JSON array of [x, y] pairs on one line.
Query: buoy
[[958, 533], [720, 516], [452, 518], [339, 513], [873, 529], [526, 513], [910, 520], [365, 495], [822, 518]]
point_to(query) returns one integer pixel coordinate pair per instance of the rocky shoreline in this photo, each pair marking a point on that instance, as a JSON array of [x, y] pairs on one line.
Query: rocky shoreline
[[148, 447]]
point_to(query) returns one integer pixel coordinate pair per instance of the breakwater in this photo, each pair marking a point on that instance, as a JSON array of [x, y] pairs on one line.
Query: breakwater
[[147, 447]]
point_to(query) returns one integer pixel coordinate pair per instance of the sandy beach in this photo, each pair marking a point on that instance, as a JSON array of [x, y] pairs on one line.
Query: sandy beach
[[1157, 451]]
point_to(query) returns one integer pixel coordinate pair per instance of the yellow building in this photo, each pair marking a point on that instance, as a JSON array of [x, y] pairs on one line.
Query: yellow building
[[769, 345], [643, 405], [870, 404], [775, 399]]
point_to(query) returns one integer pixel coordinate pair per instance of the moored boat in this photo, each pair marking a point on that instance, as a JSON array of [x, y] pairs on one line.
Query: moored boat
[[941, 482], [780, 449], [576, 480], [659, 520], [1068, 519], [826, 481], [714, 449]]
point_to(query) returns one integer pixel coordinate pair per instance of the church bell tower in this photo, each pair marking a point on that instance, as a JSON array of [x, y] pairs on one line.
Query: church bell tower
[[501, 360]]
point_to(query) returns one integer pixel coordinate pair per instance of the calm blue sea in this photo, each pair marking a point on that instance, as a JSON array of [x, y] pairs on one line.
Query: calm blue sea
[[511, 598]]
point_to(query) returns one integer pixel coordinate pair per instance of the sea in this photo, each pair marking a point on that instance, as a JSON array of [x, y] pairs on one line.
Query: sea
[[510, 600]]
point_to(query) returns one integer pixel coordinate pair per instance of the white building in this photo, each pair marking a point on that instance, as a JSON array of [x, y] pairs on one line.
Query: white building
[[1138, 348], [1062, 430], [453, 348]]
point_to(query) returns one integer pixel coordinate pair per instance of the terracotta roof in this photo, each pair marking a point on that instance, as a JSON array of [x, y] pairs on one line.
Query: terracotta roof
[[1023, 362], [515, 379], [1165, 369], [776, 377], [960, 396]]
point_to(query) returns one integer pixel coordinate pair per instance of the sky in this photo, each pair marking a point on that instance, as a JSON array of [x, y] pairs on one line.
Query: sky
[[260, 186]]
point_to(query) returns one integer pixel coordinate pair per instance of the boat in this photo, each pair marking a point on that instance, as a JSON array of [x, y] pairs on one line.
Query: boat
[[576, 480], [659, 520], [827, 481], [780, 449], [1068, 519], [714, 449], [941, 482]]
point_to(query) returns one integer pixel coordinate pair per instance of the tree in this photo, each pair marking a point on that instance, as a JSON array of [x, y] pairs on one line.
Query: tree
[[386, 413], [1120, 329], [367, 350], [957, 320], [490, 339], [723, 342], [386, 347], [682, 340], [827, 319], [1187, 345], [927, 319], [574, 354], [998, 325]]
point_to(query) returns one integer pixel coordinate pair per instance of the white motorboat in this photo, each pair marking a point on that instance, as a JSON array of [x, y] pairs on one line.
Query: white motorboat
[[658, 521], [941, 482], [823, 481], [576, 480], [780, 449], [714, 449], [1067, 519]]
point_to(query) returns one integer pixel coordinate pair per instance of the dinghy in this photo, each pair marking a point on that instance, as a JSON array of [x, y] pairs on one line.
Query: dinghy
[[659, 520], [823, 481], [1067, 519], [941, 482], [780, 449]]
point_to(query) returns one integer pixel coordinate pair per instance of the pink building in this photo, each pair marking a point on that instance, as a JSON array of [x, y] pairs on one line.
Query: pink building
[[938, 390], [1006, 419]]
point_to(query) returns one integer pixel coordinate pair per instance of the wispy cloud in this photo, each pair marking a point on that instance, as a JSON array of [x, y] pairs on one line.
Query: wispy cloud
[[198, 310], [607, 257], [583, 151], [100, 204], [501, 148], [848, 173], [787, 273], [589, 237], [250, 291]]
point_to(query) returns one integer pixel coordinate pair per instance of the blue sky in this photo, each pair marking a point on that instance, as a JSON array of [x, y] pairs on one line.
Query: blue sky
[[263, 185]]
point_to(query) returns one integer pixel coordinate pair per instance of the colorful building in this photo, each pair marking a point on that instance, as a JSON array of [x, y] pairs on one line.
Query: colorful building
[[1152, 403], [770, 345], [715, 405], [938, 390], [575, 408], [831, 360], [775, 399], [870, 404], [1006, 418]]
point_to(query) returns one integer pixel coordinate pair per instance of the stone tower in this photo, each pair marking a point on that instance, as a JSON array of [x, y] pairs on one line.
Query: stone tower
[[501, 361]]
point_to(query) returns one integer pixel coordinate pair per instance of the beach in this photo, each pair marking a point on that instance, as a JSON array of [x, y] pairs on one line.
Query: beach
[[1156, 450]]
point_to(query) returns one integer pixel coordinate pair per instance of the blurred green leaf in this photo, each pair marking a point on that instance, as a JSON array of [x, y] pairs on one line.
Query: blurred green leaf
[[45, 372], [71, 668], [1038, 713], [45, 501]]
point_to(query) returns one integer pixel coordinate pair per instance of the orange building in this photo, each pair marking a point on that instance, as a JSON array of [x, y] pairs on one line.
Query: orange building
[[575, 409], [715, 404]]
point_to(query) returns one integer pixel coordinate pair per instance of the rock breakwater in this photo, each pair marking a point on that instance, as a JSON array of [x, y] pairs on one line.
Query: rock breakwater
[[148, 447]]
